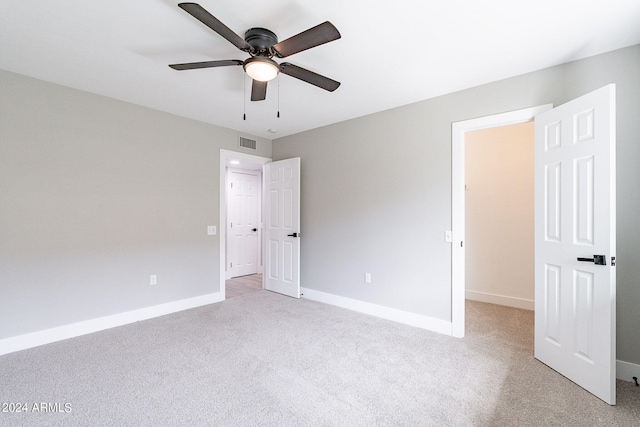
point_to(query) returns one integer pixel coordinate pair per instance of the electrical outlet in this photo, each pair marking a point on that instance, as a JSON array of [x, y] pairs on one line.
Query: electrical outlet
[[153, 279], [367, 277], [211, 230]]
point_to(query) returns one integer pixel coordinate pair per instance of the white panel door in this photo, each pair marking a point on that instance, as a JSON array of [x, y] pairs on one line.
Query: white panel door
[[575, 220], [282, 227], [243, 228]]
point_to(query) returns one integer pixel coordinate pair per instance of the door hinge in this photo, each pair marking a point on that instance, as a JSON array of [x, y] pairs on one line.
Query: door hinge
[[613, 261]]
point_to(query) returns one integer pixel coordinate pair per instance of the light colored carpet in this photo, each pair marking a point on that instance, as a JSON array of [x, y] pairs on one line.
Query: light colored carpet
[[264, 359]]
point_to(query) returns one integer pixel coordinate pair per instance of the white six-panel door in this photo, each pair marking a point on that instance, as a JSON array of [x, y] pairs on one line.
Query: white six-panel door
[[575, 217], [243, 224], [282, 227]]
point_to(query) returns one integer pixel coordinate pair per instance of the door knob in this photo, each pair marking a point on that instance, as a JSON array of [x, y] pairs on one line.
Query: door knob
[[294, 235], [254, 229]]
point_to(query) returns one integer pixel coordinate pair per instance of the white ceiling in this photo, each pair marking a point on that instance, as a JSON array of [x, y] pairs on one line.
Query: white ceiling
[[391, 53]]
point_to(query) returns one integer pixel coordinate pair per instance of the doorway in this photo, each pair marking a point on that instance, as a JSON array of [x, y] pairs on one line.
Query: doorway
[[236, 161], [458, 253]]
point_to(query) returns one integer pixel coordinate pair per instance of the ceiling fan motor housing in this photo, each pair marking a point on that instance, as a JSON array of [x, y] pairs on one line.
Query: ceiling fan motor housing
[[260, 39]]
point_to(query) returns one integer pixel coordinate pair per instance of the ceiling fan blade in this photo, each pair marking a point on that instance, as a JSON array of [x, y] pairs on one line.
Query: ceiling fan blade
[[205, 64], [258, 90], [320, 34], [198, 12], [309, 76]]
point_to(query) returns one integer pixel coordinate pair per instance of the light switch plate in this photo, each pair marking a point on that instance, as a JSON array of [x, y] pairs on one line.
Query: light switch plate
[[448, 236], [211, 230]]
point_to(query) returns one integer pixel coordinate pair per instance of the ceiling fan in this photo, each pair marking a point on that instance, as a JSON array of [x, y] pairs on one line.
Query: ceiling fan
[[263, 45]]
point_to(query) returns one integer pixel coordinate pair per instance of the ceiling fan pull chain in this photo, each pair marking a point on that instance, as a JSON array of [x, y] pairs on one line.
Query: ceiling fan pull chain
[[278, 115], [244, 97]]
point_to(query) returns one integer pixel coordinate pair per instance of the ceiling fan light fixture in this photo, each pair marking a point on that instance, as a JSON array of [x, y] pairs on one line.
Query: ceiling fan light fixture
[[261, 68]]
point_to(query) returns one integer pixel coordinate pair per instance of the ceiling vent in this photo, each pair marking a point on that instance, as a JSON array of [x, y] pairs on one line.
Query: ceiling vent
[[247, 143]]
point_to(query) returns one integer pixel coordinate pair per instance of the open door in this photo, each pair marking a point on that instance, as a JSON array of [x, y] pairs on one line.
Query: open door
[[575, 240], [282, 227]]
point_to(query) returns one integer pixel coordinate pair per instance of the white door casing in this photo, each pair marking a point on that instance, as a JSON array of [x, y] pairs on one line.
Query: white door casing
[[243, 228], [282, 227], [575, 217]]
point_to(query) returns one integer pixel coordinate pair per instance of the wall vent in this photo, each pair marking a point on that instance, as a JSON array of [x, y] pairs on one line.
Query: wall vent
[[247, 143]]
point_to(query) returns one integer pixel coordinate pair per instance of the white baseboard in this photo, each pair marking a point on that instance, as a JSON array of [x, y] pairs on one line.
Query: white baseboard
[[412, 319], [625, 371], [35, 339], [526, 304]]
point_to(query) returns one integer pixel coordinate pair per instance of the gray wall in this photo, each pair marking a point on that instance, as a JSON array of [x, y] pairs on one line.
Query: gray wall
[[95, 196], [376, 191]]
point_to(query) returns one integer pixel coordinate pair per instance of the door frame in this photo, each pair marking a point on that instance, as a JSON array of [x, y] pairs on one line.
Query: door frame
[[225, 157], [458, 215]]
